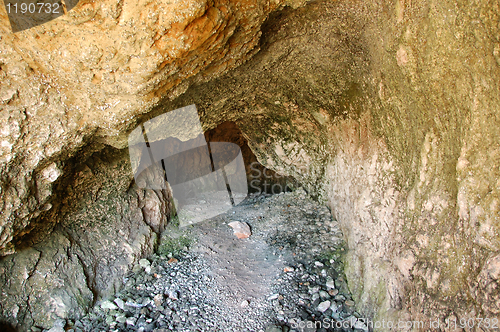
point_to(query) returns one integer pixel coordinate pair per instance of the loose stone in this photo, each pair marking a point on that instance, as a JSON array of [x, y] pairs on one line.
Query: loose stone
[[324, 306]]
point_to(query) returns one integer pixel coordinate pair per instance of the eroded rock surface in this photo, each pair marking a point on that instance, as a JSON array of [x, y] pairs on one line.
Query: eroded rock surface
[[216, 282], [91, 74], [389, 113], [386, 111], [98, 238]]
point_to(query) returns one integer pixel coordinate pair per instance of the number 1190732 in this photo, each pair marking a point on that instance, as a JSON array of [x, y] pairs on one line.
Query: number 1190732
[[32, 8]]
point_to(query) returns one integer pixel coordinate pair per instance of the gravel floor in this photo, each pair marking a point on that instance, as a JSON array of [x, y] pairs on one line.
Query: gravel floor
[[287, 276]]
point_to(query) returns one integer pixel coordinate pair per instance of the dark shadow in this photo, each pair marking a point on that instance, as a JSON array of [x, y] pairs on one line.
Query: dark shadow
[[260, 179], [5, 327]]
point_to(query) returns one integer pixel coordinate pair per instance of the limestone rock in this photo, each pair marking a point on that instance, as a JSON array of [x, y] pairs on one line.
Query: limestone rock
[[324, 306], [398, 146], [119, 302], [240, 229], [89, 75], [108, 305], [158, 300], [386, 111], [94, 245], [330, 284], [144, 263]]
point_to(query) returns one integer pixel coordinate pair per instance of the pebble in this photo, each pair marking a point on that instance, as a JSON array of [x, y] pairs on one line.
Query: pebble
[[335, 306], [314, 289], [349, 303], [340, 297], [144, 263], [240, 229], [330, 284], [58, 326], [108, 305], [119, 302], [323, 294], [324, 306], [134, 304], [186, 293], [158, 300], [56, 329], [333, 292], [174, 295]]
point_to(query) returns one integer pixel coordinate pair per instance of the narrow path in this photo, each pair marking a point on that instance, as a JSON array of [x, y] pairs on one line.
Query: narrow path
[[287, 276]]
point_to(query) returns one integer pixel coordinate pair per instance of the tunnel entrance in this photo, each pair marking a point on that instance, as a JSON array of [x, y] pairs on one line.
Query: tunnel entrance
[[205, 173], [283, 273], [273, 262], [260, 179]]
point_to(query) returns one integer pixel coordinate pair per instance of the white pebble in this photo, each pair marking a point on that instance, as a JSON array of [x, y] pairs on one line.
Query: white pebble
[[324, 306]]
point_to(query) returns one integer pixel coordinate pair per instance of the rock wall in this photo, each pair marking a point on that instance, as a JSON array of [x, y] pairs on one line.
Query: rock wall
[[104, 225], [91, 74], [72, 221], [387, 111]]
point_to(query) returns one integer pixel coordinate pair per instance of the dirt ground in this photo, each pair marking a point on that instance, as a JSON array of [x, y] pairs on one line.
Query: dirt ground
[[286, 276]]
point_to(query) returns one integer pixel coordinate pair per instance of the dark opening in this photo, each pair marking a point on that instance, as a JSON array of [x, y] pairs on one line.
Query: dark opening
[[261, 180]]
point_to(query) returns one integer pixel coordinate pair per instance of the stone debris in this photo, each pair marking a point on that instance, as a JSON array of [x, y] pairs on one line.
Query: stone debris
[[244, 304], [135, 305], [330, 284], [323, 294], [173, 295], [172, 260], [324, 306], [318, 264], [158, 300], [333, 292], [144, 263], [108, 305], [193, 295], [240, 229], [119, 302], [314, 289], [131, 321], [58, 326]]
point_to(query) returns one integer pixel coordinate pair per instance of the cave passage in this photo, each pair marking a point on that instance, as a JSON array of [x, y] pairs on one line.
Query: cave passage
[[273, 263], [259, 178], [379, 118]]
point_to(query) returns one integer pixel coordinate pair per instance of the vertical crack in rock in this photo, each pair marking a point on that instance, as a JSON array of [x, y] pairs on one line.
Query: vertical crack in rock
[[73, 251]]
